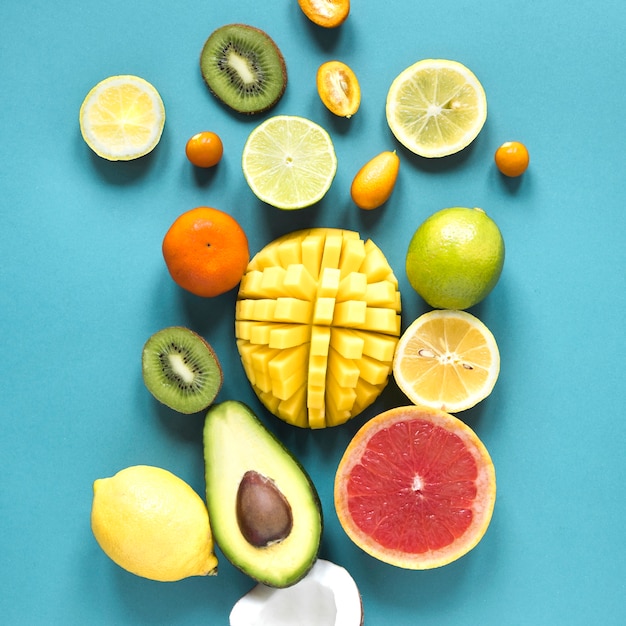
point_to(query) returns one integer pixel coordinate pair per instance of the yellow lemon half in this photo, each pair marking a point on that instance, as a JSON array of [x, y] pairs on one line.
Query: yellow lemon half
[[446, 360], [436, 107], [122, 118]]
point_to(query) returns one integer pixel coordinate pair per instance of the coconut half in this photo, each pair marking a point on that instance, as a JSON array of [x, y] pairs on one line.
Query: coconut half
[[326, 596]]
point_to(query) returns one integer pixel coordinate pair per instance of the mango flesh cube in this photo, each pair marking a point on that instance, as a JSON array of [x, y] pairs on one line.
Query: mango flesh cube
[[352, 287], [317, 321], [324, 311], [299, 283], [272, 278], [312, 250], [348, 343], [292, 310], [352, 256]]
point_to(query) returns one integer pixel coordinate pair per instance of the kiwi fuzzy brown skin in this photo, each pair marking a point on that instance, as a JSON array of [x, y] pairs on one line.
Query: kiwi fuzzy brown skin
[[197, 355], [212, 74]]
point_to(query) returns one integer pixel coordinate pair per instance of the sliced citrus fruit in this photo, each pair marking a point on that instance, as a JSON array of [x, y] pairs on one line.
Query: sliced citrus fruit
[[326, 13], [446, 360], [415, 488], [122, 118], [338, 88], [289, 162], [436, 107]]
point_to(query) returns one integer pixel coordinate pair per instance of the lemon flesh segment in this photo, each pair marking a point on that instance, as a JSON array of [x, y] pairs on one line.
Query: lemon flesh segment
[[436, 107], [446, 360], [122, 118], [289, 162]]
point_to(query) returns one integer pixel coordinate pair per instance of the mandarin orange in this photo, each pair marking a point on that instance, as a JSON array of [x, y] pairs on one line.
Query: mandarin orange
[[206, 251]]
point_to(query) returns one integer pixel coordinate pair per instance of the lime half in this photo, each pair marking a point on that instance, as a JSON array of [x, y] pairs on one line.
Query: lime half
[[436, 107], [289, 162]]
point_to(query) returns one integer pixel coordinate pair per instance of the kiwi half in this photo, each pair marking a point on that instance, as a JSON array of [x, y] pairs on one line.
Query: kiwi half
[[244, 68], [181, 370]]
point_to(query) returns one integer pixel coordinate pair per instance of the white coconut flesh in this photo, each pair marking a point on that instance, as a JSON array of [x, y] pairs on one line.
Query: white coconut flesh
[[326, 596]]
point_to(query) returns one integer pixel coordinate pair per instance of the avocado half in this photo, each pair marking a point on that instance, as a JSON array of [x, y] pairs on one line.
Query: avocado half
[[264, 509]]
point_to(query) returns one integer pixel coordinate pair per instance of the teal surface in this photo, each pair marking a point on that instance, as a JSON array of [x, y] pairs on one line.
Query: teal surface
[[83, 285]]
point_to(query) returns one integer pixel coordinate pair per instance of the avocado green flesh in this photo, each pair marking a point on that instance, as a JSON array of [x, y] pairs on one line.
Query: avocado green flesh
[[236, 442]]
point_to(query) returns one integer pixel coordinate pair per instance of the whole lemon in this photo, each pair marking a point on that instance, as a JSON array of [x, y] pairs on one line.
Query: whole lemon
[[153, 524], [455, 258]]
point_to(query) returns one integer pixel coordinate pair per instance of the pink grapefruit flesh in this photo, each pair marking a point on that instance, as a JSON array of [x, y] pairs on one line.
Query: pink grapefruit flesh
[[415, 488]]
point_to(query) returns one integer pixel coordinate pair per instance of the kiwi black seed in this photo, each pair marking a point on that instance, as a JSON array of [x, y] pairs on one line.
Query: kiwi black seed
[[244, 68], [181, 370]]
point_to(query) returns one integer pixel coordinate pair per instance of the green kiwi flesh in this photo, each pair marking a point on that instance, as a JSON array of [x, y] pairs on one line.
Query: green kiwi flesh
[[181, 370], [244, 68]]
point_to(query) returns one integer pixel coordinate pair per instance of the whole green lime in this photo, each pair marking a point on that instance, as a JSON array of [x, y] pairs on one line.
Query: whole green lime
[[455, 258]]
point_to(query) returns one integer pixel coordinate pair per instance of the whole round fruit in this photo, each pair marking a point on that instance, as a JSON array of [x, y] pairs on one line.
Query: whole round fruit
[[204, 149], [512, 158], [375, 181], [153, 524], [455, 258], [206, 251]]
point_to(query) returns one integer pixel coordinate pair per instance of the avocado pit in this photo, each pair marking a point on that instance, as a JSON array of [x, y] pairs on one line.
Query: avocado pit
[[263, 513]]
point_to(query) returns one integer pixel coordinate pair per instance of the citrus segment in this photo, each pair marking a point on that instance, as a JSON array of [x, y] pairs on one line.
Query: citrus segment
[[289, 162], [415, 488], [446, 360], [122, 118], [436, 107]]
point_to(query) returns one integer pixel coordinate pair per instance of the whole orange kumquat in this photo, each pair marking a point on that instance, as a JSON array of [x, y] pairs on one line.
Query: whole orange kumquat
[[204, 149], [512, 158]]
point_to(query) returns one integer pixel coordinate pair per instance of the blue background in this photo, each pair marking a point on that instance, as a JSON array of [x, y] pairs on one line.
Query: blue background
[[83, 285]]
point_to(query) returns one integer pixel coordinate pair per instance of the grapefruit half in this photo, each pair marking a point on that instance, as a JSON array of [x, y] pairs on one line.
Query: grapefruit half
[[415, 488]]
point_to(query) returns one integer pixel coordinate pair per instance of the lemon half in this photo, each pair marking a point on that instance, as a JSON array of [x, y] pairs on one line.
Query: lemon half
[[122, 118], [436, 107], [447, 360]]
